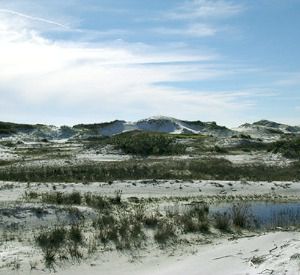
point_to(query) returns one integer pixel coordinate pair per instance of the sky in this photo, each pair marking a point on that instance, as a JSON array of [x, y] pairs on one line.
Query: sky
[[87, 61]]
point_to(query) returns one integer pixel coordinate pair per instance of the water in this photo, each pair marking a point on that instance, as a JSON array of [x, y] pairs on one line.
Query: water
[[261, 214], [267, 214]]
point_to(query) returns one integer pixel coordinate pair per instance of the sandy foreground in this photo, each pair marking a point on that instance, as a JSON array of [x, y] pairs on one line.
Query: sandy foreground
[[270, 253], [278, 252], [263, 253]]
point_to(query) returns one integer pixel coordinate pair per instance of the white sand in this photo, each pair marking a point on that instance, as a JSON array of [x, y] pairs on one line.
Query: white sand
[[277, 250]]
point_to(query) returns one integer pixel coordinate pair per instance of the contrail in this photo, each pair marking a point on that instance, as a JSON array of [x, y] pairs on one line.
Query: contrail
[[34, 18]]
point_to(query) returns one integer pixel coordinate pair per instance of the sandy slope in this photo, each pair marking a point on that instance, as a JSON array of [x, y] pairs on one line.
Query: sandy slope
[[234, 257], [277, 250]]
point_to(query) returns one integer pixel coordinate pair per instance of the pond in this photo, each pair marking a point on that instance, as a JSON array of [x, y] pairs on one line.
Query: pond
[[260, 214], [267, 214]]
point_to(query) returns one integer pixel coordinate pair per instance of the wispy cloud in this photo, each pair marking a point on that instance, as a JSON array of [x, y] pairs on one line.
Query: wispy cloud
[[111, 80], [84, 80], [288, 79], [33, 18], [205, 9], [195, 30], [198, 18]]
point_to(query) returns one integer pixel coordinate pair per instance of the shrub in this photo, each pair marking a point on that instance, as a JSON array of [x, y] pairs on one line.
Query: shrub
[[117, 198], [57, 242], [220, 150], [50, 242], [75, 235], [151, 220], [124, 231], [96, 201], [196, 219], [31, 195], [52, 239], [76, 239], [73, 198], [165, 232], [241, 215], [222, 221], [145, 144], [289, 148], [61, 198], [130, 233]]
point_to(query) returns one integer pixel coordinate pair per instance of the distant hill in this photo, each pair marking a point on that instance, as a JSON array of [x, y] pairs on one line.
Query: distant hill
[[263, 129], [156, 124], [267, 129], [152, 124]]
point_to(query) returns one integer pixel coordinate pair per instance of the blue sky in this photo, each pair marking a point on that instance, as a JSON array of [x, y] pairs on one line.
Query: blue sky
[[73, 61]]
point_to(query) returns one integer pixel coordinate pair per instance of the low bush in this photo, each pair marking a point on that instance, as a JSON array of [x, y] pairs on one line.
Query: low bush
[[125, 231], [96, 201], [241, 215], [51, 242], [165, 232], [220, 150], [195, 219], [222, 221], [145, 144], [60, 243], [151, 220], [289, 148], [73, 198]]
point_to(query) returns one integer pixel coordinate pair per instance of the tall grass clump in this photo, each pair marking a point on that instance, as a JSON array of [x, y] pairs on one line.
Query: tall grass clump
[[60, 198], [97, 201], [241, 215], [124, 230], [222, 221], [165, 232], [60, 244], [195, 219]]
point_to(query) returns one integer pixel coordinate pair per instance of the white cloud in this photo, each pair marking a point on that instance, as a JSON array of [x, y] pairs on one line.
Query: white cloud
[[288, 79], [33, 18], [205, 9], [195, 30], [69, 82]]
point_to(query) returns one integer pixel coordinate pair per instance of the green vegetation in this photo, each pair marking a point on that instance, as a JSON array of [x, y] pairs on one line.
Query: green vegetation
[[289, 148], [249, 145], [44, 152], [60, 244], [222, 221], [241, 215], [127, 225], [145, 144], [165, 233], [75, 198], [188, 136], [6, 162], [219, 169], [62, 198], [125, 231], [220, 150], [7, 128], [195, 219]]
